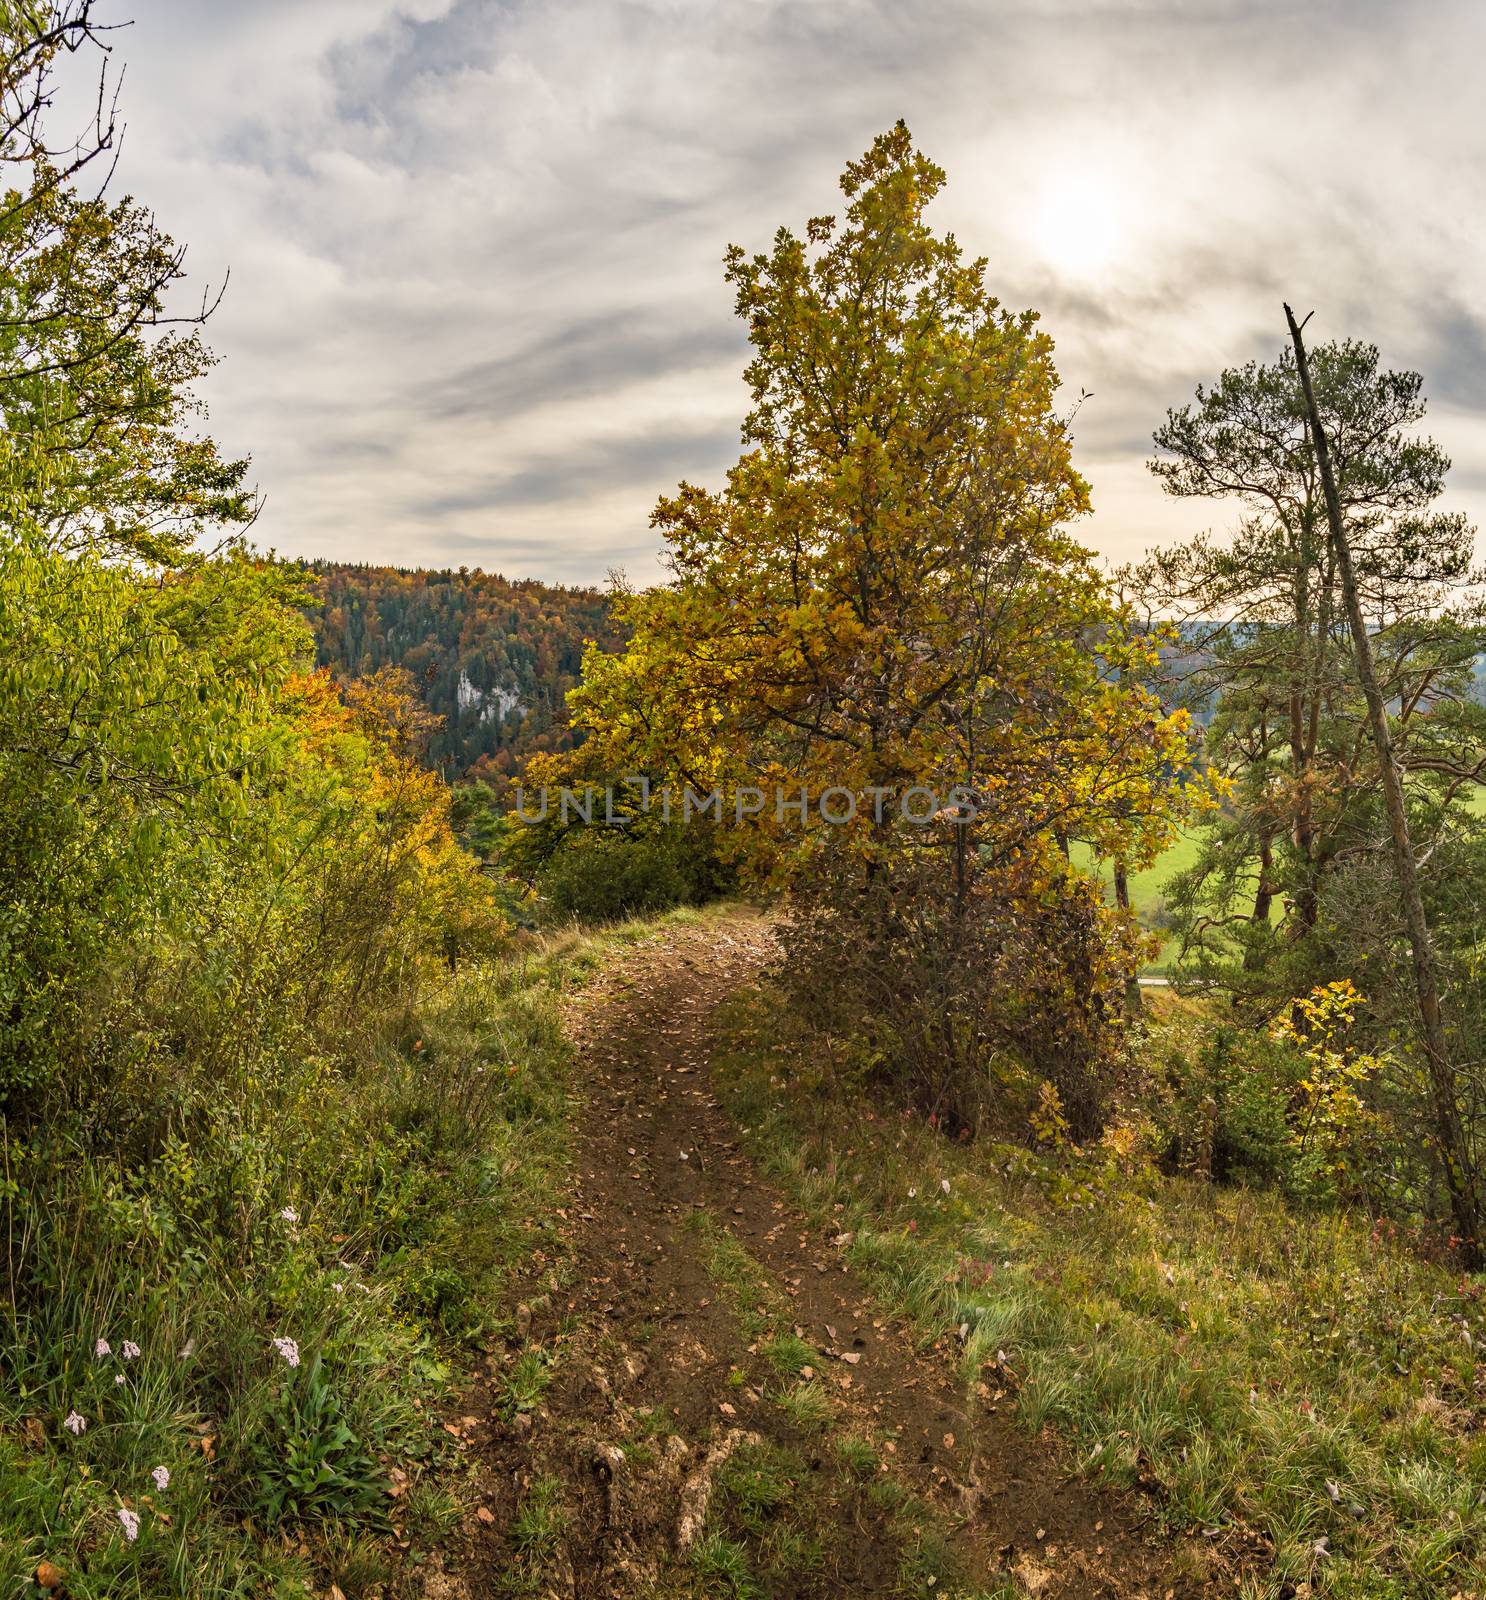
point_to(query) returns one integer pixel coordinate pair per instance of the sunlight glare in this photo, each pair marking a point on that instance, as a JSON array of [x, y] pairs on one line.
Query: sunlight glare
[[1077, 227]]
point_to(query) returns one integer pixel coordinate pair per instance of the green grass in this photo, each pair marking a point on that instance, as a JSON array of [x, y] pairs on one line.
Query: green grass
[[536, 1531], [1295, 1375], [535, 1538], [1148, 886], [382, 1209], [859, 1456], [766, 1319], [781, 1522], [524, 1383]]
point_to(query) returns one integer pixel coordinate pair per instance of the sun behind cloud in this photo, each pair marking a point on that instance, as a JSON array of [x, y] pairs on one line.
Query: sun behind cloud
[[1079, 223]]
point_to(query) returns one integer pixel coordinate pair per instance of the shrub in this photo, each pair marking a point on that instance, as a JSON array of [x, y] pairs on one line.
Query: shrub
[[606, 874], [598, 878], [969, 1002], [1219, 1094], [1288, 1104]]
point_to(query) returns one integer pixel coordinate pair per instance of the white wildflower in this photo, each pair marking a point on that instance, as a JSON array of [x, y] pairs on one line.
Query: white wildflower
[[74, 1423], [118, 1379], [129, 1350], [339, 1288], [913, 1194], [288, 1349], [289, 1214], [130, 1523], [944, 1184], [161, 1475], [101, 1349], [186, 1351]]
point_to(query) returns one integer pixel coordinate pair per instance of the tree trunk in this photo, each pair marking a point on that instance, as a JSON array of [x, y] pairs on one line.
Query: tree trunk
[[1303, 832], [1460, 1177], [1122, 900], [1263, 901]]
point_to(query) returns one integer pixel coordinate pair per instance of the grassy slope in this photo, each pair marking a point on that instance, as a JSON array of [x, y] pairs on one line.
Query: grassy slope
[[1298, 1379], [376, 1212]]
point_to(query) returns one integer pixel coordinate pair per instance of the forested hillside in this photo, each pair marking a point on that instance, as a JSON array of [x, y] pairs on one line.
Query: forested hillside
[[493, 657]]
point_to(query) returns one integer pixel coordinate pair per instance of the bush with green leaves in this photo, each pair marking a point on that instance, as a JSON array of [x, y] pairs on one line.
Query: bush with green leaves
[[230, 898], [1219, 1094], [1298, 1103], [599, 878]]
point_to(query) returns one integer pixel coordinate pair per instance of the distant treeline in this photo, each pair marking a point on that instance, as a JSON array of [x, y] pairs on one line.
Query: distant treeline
[[493, 657]]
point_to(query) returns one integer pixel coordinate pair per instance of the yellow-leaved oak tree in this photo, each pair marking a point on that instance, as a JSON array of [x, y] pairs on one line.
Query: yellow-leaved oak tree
[[885, 612]]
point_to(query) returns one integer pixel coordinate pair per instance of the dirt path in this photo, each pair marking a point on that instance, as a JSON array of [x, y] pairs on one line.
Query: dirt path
[[662, 1358]]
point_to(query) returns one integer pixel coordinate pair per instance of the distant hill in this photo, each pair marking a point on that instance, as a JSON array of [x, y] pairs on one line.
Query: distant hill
[[495, 657]]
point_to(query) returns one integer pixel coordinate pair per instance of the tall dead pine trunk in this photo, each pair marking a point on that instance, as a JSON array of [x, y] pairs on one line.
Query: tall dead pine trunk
[[1449, 1128]]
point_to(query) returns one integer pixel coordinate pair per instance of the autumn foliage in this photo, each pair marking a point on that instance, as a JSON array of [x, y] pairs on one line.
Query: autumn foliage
[[493, 659], [887, 600]]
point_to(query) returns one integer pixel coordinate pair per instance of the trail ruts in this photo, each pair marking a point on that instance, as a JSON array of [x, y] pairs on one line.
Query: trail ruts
[[644, 1345]]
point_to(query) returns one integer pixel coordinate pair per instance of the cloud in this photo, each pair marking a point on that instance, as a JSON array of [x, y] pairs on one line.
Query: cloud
[[561, 478], [580, 360], [477, 312]]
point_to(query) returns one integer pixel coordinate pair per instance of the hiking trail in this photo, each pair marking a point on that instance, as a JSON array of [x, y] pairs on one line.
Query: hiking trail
[[647, 1373]]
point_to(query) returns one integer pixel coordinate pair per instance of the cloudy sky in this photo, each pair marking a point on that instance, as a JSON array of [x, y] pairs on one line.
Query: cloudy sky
[[476, 312]]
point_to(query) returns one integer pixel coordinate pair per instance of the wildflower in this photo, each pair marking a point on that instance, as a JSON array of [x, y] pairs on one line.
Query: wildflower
[[129, 1350], [186, 1351], [102, 1349], [289, 1214], [74, 1424], [288, 1349], [130, 1523], [339, 1288], [913, 1194], [944, 1184], [161, 1475], [118, 1379]]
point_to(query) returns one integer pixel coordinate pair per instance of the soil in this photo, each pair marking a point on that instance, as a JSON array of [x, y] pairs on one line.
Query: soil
[[645, 1346]]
